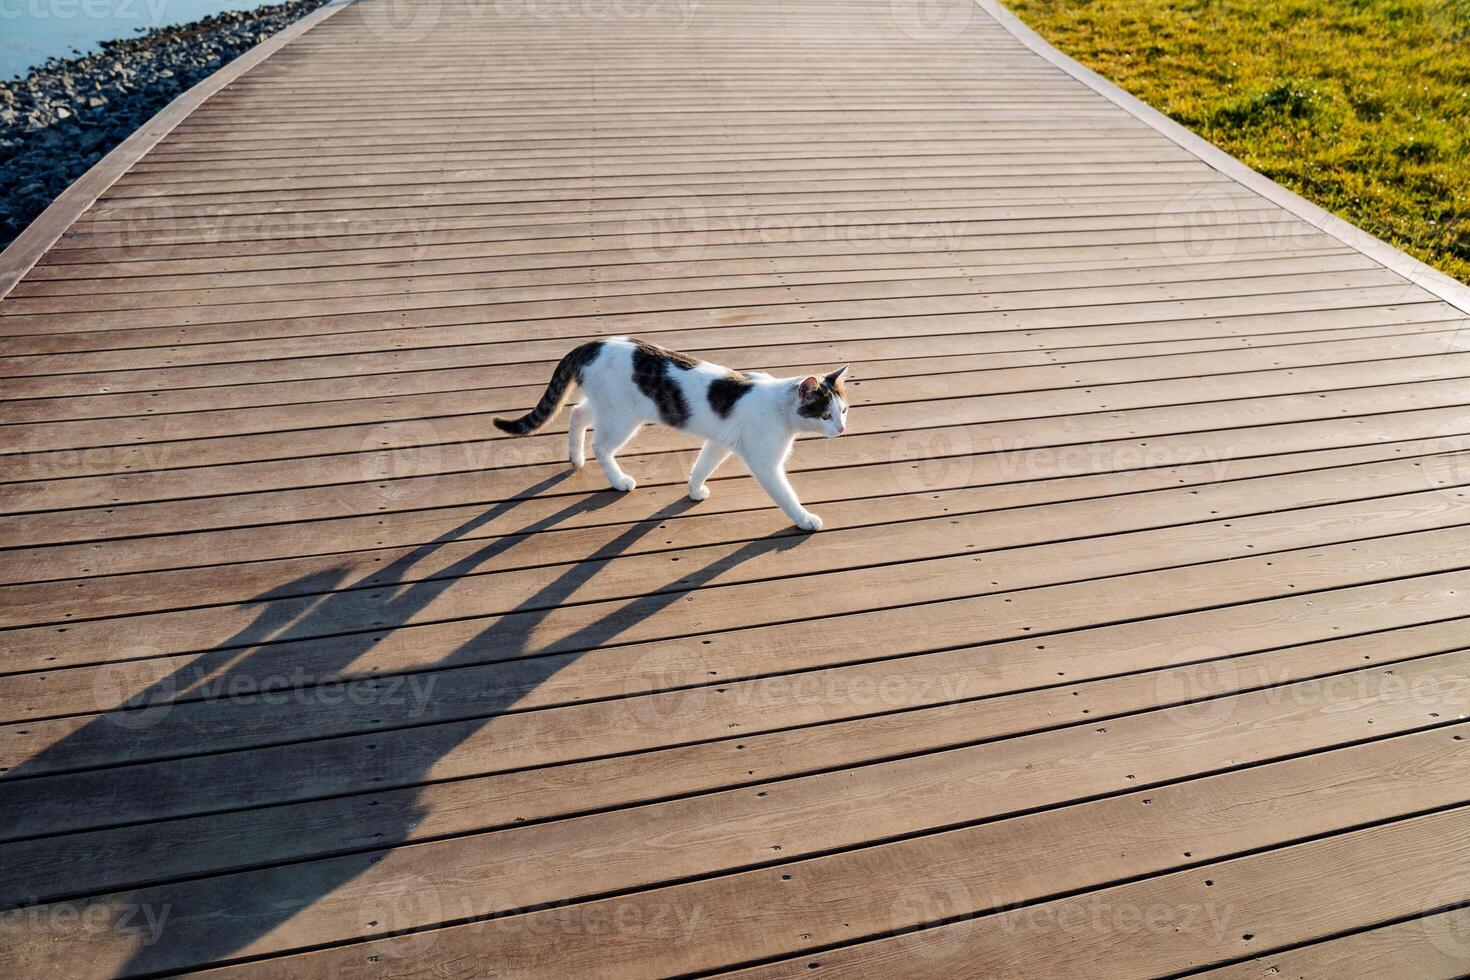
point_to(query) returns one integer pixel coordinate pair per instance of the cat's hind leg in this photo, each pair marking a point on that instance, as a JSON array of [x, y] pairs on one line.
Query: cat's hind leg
[[711, 456], [580, 419], [607, 438]]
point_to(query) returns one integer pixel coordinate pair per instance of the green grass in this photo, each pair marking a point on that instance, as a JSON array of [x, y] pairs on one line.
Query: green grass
[[1360, 106]]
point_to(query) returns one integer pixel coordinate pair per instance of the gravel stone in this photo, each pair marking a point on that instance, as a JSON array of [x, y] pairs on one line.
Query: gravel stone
[[69, 112]]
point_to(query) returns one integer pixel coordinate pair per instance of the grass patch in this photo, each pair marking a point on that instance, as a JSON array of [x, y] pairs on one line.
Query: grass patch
[[1360, 106]]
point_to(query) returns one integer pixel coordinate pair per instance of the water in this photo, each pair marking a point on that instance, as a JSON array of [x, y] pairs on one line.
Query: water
[[33, 30]]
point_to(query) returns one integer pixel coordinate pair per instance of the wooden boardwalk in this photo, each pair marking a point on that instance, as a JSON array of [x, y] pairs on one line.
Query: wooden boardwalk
[[1137, 643]]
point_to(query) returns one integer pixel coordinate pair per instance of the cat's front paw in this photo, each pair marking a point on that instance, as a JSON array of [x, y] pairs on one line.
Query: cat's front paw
[[700, 492], [625, 484], [809, 522]]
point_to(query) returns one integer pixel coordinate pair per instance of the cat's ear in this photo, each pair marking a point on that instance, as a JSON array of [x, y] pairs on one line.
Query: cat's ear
[[808, 389], [834, 380]]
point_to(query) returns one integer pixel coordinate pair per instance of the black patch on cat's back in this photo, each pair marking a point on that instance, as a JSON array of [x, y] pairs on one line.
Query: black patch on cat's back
[[725, 392], [651, 373]]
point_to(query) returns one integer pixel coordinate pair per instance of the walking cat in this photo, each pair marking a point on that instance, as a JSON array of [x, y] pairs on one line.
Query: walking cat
[[628, 383]]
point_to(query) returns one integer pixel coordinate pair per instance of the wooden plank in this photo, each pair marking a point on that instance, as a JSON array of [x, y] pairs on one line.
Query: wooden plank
[[859, 245], [1269, 896], [317, 187], [769, 237], [34, 695], [457, 326], [982, 456], [130, 855], [565, 144], [828, 821], [322, 768], [159, 171], [1143, 567], [638, 279], [617, 568], [366, 230], [884, 382], [1241, 329], [449, 446], [920, 295], [1431, 946], [802, 908], [876, 358], [448, 510], [754, 275], [151, 224], [1079, 175]]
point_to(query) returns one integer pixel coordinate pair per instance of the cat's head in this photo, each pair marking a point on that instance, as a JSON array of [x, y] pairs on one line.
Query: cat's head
[[821, 404]]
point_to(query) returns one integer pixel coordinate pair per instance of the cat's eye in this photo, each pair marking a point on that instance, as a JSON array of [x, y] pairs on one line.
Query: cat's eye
[[827, 417]]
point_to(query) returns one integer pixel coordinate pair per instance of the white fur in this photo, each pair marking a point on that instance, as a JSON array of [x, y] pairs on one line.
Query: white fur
[[760, 429]]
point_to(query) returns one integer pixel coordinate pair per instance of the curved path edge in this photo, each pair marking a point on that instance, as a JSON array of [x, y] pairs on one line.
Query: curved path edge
[[1452, 291], [23, 253]]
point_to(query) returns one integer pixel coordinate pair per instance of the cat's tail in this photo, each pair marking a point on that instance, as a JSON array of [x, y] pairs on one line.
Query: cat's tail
[[569, 370]]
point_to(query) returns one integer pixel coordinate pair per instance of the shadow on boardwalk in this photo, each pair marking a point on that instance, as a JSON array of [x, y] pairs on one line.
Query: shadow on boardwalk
[[216, 918]]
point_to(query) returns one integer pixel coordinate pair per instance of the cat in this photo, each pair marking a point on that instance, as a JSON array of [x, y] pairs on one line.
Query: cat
[[628, 382]]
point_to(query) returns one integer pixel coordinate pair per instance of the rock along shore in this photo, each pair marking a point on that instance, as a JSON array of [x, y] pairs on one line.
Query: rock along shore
[[65, 115]]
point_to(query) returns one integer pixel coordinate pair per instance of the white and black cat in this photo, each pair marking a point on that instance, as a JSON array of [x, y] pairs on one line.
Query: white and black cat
[[628, 383]]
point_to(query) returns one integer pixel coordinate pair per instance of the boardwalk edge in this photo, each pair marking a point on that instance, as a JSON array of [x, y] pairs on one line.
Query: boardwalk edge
[[26, 250], [1452, 291]]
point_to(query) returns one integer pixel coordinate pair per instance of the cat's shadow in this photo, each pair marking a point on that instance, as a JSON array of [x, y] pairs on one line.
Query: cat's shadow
[[316, 604]]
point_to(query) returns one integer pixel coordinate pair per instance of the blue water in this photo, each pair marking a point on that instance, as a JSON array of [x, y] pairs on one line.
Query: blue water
[[33, 30]]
